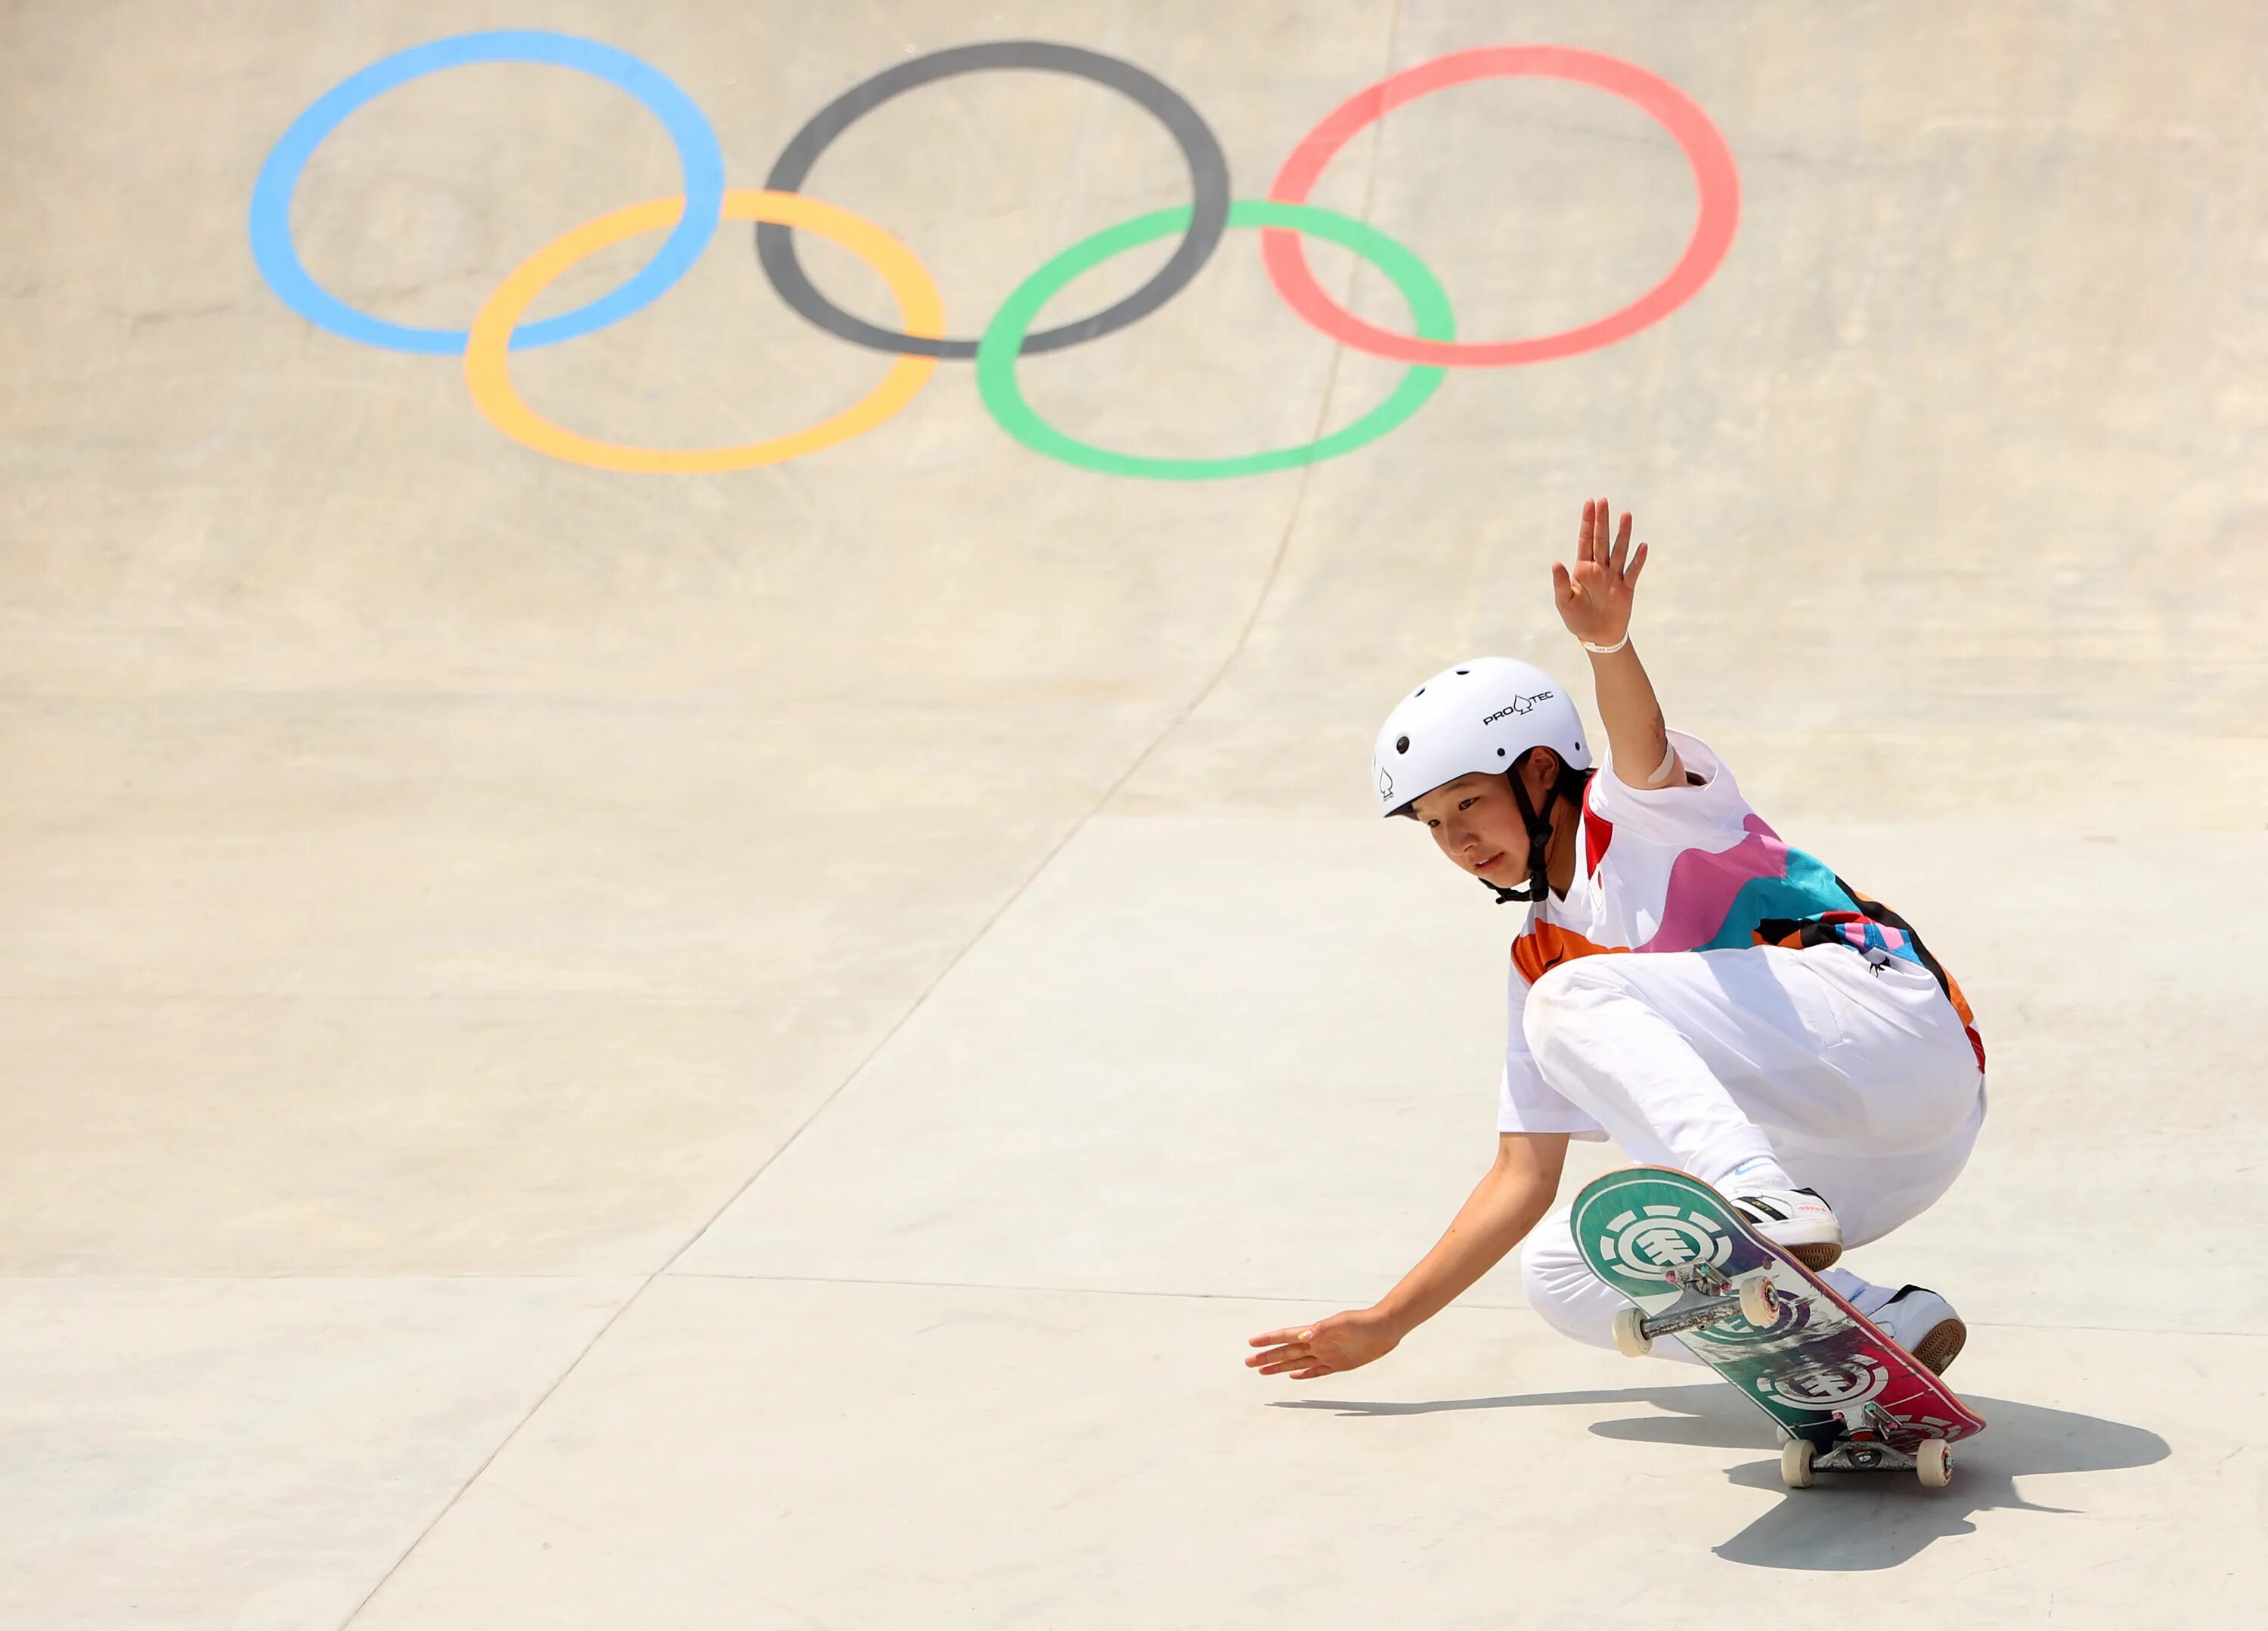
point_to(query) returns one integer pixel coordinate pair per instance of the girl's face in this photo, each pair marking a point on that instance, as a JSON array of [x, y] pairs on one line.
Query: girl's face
[[1477, 826]]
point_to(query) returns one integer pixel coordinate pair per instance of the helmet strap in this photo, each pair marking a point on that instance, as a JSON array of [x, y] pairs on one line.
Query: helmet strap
[[1538, 823]]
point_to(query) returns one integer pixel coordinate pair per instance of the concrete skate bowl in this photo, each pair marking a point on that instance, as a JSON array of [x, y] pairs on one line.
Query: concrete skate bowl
[[689, 920]]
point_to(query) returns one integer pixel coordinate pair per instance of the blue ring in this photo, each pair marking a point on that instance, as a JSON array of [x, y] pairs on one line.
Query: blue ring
[[689, 128]]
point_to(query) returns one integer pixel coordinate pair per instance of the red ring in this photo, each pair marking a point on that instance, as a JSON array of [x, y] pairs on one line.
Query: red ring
[[1713, 173]]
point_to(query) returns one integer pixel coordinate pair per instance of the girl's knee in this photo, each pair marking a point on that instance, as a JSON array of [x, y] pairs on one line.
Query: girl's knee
[[1558, 1284]]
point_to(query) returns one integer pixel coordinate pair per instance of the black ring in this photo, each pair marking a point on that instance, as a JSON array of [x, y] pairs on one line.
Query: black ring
[[1208, 188]]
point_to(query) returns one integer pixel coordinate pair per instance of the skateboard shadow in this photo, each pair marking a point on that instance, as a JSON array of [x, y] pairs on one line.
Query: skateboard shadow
[[1845, 1521]]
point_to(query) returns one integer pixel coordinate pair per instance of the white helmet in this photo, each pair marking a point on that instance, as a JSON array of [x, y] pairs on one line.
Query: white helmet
[[1480, 715], [1484, 715]]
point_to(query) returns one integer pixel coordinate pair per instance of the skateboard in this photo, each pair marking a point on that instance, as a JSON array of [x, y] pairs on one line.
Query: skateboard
[[1845, 1398]]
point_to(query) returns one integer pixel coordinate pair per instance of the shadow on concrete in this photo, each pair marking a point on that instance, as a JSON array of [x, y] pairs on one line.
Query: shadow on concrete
[[1847, 1522]]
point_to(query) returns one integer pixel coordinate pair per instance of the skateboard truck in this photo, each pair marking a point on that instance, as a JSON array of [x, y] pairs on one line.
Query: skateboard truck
[[1863, 1446], [1704, 1297]]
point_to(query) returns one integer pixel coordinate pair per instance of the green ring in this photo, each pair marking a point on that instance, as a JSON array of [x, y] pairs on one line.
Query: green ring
[[1003, 339]]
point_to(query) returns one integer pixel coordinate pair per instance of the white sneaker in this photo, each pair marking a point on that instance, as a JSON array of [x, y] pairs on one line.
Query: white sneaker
[[1797, 1220], [1923, 1324]]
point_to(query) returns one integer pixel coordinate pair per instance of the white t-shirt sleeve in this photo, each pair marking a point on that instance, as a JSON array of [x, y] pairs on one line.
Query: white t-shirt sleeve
[[1707, 817], [1524, 1103]]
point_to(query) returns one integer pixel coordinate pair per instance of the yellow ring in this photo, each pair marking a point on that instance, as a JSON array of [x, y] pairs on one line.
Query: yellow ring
[[921, 311]]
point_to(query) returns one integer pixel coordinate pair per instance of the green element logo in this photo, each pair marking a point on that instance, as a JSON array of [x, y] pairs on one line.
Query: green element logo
[[1647, 1242]]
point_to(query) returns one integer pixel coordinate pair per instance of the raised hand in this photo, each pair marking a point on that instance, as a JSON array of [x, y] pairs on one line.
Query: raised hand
[[1339, 1343], [1593, 596]]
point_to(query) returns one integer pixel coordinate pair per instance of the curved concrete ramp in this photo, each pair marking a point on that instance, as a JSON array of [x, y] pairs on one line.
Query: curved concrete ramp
[[744, 1047]]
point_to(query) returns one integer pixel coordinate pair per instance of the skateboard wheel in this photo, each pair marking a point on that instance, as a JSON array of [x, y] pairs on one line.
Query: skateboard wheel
[[1631, 1340], [1758, 1306], [1795, 1463], [1934, 1462]]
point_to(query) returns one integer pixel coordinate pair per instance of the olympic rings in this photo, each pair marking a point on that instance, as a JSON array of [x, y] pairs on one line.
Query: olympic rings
[[703, 161], [920, 308], [781, 209], [1704, 150], [1208, 188], [996, 357]]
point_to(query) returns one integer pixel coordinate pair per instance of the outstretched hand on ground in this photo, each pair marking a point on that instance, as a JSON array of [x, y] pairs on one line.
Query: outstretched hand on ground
[[1339, 1343], [1593, 596]]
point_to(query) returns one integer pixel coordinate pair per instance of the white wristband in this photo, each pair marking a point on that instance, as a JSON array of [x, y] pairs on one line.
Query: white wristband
[[1607, 651]]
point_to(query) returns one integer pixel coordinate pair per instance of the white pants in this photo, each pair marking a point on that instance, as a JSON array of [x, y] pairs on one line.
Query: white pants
[[1859, 1081]]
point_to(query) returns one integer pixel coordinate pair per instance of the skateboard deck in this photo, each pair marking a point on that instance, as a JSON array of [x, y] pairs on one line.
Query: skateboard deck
[[1846, 1397]]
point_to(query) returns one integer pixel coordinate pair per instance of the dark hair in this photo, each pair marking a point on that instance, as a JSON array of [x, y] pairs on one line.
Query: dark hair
[[1571, 781]]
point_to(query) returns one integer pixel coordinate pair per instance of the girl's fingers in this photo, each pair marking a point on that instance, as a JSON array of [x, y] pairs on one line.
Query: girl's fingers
[[1290, 1333], [1637, 565]]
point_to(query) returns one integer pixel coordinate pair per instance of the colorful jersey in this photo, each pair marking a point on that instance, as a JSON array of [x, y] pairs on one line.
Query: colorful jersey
[[1685, 868]]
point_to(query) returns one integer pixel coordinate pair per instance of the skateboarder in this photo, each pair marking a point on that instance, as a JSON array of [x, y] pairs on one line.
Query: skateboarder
[[1685, 983]]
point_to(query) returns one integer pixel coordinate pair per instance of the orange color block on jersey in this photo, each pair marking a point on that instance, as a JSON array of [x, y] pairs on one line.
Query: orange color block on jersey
[[1546, 946]]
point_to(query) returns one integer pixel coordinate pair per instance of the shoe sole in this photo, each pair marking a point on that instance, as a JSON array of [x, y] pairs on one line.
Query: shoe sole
[[1942, 1346], [1813, 1254]]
